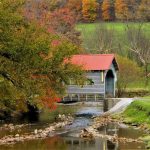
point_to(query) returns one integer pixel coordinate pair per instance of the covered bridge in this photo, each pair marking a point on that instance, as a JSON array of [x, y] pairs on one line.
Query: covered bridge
[[101, 71]]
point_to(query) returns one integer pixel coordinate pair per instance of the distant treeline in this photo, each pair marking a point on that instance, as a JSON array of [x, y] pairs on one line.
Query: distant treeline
[[111, 10], [107, 10]]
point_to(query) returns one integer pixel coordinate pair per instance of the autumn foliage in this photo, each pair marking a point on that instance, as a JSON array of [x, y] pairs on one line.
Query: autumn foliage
[[107, 10], [144, 10], [76, 7], [50, 99], [60, 20], [32, 70], [121, 9], [89, 10], [92, 10]]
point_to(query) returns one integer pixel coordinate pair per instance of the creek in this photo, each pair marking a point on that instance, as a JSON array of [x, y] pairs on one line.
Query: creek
[[67, 138]]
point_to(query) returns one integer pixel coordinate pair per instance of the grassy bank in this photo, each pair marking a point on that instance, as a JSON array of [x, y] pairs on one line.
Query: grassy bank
[[138, 112]]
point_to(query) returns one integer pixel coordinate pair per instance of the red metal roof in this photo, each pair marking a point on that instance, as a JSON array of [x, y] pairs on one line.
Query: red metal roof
[[94, 61]]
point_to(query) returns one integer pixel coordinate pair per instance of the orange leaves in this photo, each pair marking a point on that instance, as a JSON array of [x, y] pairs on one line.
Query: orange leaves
[[50, 99], [89, 10], [76, 7], [144, 10], [121, 9], [107, 10]]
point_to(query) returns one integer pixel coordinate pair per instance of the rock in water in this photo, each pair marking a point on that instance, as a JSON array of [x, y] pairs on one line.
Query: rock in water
[[35, 131], [17, 135], [86, 134]]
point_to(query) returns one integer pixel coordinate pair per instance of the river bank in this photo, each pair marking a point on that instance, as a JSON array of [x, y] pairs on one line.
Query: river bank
[[37, 134], [136, 115]]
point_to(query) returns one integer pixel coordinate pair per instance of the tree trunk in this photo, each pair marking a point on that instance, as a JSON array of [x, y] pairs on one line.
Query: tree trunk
[[146, 75]]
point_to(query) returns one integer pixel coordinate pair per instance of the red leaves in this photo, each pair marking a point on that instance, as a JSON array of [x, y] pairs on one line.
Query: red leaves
[[62, 20], [51, 99], [55, 43]]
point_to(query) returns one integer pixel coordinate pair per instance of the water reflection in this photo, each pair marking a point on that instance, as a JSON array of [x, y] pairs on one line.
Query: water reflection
[[69, 140], [109, 103], [71, 143]]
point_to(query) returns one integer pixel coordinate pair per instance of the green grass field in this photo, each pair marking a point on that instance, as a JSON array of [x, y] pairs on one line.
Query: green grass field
[[119, 39], [140, 84], [119, 27]]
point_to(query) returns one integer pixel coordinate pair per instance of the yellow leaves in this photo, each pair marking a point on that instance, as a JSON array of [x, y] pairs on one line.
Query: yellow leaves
[[121, 9], [107, 10], [89, 10]]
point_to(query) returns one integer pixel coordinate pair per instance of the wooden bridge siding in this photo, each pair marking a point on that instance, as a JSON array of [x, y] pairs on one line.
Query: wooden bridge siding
[[87, 92], [98, 87]]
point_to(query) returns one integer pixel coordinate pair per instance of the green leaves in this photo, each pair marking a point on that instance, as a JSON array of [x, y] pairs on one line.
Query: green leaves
[[32, 60]]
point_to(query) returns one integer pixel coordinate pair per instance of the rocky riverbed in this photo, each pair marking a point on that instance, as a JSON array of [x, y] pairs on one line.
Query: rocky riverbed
[[37, 134], [93, 131]]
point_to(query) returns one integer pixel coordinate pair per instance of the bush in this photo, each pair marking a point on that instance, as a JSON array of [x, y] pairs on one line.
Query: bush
[[129, 72]]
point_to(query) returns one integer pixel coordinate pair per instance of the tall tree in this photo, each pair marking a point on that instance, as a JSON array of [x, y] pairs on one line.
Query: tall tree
[[121, 9], [139, 44], [144, 10], [133, 8], [76, 7], [32, 69], [61, 20], [129, 72], [89, 10], [107, 10]]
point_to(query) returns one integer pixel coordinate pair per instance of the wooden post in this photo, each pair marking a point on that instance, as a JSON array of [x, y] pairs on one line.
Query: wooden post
[[114, 87], [105, 105], [78, 97], [95, 97], [105, 73], [71, 97]]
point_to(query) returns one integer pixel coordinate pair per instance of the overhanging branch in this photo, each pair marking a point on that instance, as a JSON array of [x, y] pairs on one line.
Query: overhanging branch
[[139, 55], [6, 76], [8, 56]]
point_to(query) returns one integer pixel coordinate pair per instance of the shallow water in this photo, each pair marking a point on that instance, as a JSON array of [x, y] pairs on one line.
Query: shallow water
[[67, 138]]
